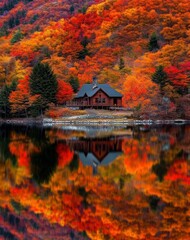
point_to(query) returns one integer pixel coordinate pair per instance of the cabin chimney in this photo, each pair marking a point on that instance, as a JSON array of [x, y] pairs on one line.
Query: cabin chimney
[[95, 82]]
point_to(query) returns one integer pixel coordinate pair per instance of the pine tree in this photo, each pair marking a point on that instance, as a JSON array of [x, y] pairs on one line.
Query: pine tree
[[121, 64], [74, 82], [43, 82], [72, 9], [160, 77], [5, 108], [17, 37], [84, 52], [153, 42]]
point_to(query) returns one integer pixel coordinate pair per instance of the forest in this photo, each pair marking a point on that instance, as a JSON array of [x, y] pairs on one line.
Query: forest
[[141, 48]]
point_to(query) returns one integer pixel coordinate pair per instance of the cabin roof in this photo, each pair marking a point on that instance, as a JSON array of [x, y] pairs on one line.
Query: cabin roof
[[90, 90]]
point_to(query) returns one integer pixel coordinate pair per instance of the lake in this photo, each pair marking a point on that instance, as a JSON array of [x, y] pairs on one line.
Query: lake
[[95, 183]]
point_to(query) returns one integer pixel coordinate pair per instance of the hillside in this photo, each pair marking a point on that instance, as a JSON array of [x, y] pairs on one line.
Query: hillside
[[140, 47]]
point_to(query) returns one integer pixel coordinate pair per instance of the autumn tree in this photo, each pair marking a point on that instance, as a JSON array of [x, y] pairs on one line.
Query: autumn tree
[[179, 78], [10, 70], [20, 98], [139, 95], [64, 92]]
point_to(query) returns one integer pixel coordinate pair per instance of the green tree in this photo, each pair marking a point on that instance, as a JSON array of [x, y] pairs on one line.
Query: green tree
[[83, 10], [153, 42], [5, 108], [160, 77], [17, 37], [84, 52], [38, 107], [72, 9], [121, 64], [74, 83], [4, 30], [43, 82]]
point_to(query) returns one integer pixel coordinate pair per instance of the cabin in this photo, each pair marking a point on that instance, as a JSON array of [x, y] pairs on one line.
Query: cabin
[[95, 95]]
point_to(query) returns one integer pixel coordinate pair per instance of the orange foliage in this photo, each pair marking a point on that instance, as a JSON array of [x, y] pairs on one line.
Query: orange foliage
[[91, 43], [20, 99], [136, 157], [97, 204], [138, 91]]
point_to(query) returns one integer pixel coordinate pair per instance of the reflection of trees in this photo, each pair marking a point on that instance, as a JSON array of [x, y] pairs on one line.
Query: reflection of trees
[[4, 146], [124, 201], [27, 225], [44, 163], [65, 155], [74, 164], [160, 168]]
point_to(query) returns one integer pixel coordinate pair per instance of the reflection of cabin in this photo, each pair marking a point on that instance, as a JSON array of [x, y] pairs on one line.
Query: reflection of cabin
[[97, 96], [97, 152]]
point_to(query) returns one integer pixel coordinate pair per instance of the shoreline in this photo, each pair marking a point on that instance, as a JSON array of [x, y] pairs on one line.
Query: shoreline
[[91, 122]]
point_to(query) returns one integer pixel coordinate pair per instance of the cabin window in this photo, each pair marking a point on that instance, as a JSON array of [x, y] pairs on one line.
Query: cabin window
[[100, 100]]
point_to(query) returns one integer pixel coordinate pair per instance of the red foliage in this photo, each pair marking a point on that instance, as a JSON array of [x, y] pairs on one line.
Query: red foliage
[[64, 92], [177, 76], [21, 152], [65, 155], [179, 171]]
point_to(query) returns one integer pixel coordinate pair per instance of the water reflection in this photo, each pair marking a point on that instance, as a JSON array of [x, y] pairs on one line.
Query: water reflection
[[69, 184], [97, 151]]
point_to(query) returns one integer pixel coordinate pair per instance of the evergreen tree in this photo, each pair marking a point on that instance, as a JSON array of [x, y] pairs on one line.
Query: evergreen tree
[[72, 9], [17, 37], [38, 107], [5, 108], [160, 77], [43, 82], [34, 18], [74, 83], [121, 64], [160, 170], [153, 42], [84, 52], [4, 30]]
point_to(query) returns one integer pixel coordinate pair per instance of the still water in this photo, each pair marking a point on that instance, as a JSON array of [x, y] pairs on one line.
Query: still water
[[86, 183]]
